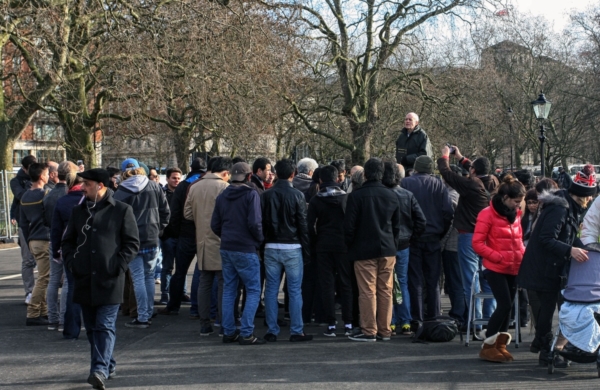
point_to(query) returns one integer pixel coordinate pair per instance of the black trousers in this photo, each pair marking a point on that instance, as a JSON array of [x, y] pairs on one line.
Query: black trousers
[[504, 288], [185, 253], [330, 265], [311, 293], [205, 287], [424, 268], [543, 304]]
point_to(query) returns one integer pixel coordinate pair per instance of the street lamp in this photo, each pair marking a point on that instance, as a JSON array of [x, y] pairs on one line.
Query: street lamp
[[510, 117], [541, 107]]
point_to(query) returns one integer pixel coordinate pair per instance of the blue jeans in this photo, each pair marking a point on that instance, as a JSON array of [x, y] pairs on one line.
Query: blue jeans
[[159, 261], [454, 286], [470, 264], [236, 266], [401, 313], [101, 333], [169, 246], [290, 261], [142, 275], [72, 324], [56, 274]]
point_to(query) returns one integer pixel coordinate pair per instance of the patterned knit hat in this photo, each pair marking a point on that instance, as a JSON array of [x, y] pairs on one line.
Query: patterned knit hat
[[584, 183]]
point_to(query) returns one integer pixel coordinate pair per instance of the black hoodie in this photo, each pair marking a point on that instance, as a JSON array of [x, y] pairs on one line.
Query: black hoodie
[[325, 219], [18, 185], [237, 219]]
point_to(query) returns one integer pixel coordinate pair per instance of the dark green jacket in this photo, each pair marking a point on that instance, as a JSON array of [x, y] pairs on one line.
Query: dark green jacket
[[409, 148]]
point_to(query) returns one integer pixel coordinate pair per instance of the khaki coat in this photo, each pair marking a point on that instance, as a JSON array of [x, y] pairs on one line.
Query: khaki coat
[[199, 207]]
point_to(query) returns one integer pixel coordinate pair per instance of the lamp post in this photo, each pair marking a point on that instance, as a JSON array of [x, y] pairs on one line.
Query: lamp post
[[541, 107], [510, 117]]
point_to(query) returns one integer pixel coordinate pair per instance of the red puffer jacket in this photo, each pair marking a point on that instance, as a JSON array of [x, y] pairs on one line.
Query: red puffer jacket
[[498, 242]]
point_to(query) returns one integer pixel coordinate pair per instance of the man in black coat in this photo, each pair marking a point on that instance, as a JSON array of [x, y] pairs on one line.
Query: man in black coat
[[184, 231], [261, 169], [371, 231], [326, 232], [19, 185], [412, 142], [286, 249], [100, 240], [424, 264]]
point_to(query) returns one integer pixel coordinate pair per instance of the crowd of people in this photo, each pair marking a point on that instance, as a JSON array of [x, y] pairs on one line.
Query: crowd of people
[[333, 239]]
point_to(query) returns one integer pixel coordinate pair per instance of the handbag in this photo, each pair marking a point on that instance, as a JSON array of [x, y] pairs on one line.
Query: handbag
[[396, 291]]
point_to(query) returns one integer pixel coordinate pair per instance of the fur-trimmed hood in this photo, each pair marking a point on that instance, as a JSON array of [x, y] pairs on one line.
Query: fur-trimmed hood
[[557, 197]]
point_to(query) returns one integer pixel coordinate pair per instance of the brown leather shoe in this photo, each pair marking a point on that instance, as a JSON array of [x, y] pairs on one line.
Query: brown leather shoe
[[501, 342], [489, 352]]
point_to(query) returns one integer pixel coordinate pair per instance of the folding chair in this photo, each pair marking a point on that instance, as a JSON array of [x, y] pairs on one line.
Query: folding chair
[[472, 321]]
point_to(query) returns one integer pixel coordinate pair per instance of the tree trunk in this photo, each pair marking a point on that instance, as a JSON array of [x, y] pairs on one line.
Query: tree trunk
[[79, 145], [361, 137], [182, 149], [7, 144]]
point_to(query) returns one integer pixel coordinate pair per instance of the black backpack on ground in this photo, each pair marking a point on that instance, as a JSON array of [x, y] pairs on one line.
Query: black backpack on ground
[[439, 329]]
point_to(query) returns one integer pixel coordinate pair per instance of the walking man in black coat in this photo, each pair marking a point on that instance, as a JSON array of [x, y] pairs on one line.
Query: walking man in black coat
[[100, 240]]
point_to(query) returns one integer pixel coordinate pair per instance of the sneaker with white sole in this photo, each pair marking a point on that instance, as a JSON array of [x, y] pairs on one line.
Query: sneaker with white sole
[[362, 337], [28, 299], [329, 332]]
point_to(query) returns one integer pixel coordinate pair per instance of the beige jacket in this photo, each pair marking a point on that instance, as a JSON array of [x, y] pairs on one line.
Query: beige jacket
[[199, 207]]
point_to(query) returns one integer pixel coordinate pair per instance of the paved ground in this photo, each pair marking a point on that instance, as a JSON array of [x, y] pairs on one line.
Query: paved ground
[[172, 355]]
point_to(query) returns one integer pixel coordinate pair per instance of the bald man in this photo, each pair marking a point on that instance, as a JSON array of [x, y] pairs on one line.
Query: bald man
[[412, 142], [52, 175]]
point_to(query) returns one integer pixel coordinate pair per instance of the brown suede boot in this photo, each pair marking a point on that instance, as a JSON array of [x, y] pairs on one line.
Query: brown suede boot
[[489, 352], [501, 342]]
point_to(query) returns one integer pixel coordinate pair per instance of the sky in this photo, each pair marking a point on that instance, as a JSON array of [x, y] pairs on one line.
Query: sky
[[557, 11]]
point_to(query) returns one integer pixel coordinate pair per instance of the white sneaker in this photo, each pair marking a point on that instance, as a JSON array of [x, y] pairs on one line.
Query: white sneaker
[[28, 299]]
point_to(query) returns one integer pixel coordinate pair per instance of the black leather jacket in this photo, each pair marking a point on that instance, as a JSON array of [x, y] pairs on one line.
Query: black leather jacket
[[284, 216], [412, 217]]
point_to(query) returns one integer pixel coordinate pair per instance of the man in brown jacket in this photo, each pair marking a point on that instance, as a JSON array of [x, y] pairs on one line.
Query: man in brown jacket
[[199, 207]]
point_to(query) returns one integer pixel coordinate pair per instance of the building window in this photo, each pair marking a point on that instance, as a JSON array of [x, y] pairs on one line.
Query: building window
[[18, 156], [50, 155], [45, 131]]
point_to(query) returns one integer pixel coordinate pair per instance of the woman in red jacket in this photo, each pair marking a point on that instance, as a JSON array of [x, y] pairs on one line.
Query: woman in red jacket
[[498, 240]]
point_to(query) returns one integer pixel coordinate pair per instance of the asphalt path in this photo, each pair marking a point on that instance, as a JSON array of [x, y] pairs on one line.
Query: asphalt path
[[171, 354]]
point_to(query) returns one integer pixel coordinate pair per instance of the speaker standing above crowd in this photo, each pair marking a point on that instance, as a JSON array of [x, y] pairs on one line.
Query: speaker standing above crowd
[[330, 236]]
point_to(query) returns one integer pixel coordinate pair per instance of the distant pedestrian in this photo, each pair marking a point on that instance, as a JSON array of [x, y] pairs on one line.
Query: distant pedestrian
[[151, 211], [371, 231], [286, 248], [199, 207], [18, 185], [237, 220], [37, 236], [326, 213]]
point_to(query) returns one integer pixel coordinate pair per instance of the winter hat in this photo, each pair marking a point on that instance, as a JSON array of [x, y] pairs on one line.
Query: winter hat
[[584, 183], [239, 171], [130, 163], [97, 174], [424, 164]]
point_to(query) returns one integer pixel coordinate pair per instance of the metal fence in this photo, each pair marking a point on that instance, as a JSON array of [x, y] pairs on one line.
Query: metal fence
[[7, 229]]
